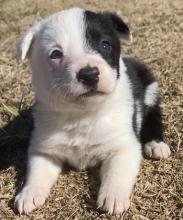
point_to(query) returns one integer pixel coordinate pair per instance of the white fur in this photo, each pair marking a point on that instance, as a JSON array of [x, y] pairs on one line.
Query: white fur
[[151, 94], [80, 133], [42, 173], [139, 116], [157, 150]]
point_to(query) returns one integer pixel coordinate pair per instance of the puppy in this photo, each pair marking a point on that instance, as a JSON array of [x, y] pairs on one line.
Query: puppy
[[92, 106]]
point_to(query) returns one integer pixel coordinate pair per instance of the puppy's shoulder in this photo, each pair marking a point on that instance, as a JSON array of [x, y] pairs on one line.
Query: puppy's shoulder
[[138, 72]]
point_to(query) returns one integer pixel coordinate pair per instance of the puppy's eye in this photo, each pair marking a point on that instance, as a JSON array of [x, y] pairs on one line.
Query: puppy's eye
[[105, 47], [56, 54]]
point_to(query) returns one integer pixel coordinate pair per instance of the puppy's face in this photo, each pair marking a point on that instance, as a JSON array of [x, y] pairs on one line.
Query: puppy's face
[[74, 55]]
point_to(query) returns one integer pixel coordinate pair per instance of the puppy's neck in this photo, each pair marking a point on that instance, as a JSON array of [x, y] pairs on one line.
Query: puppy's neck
[[66, 107]]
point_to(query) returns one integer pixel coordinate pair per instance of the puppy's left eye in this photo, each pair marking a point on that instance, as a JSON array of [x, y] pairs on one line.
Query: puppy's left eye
[[56, 54], [105, 47]]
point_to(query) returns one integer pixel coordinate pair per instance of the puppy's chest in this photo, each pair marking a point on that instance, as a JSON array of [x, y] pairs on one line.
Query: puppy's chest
[[77, 135], [84, 134], [84, 142]]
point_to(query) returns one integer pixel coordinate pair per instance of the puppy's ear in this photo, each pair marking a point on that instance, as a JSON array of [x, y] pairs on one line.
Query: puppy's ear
[[24, 45], [120, 26]]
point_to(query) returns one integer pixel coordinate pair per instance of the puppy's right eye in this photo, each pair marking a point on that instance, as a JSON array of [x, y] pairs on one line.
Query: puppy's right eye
[[56, 54]]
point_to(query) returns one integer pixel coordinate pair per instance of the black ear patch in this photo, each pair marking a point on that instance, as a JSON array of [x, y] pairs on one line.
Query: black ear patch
[[119, 25], [103, 31]]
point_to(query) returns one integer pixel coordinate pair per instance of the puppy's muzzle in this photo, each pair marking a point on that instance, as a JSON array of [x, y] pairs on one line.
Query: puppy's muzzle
[[89, 76]]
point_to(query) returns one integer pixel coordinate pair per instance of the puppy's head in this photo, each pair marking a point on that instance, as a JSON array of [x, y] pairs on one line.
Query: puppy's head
[[74, 56]]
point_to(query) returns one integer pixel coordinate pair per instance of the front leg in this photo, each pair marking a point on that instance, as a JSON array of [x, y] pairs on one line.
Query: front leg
[[41, 175], [118, 174], [152, 134]]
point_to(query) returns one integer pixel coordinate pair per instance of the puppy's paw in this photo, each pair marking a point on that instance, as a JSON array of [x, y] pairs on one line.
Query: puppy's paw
[[114, 200], [29, 199], [157, 150]]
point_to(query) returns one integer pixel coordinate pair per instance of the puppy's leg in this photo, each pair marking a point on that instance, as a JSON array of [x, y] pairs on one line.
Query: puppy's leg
[[42, 173], [152, 134], [118, 174]]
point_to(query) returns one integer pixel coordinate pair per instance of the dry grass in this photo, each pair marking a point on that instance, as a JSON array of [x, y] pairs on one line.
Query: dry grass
[[158, 28]]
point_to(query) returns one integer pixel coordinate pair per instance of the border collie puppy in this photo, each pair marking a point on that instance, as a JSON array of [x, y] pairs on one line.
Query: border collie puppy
[[93, 106]]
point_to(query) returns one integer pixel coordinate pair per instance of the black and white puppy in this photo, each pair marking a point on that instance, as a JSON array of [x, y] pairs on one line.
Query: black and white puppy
[[92, 106]]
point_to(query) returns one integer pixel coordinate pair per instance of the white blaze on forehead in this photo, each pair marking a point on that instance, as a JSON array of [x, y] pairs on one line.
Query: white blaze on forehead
[[151, 94], [65, 29]]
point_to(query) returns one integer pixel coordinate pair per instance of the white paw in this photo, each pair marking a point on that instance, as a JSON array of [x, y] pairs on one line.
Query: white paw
[[29, 199], [113, 200], [157, 150]]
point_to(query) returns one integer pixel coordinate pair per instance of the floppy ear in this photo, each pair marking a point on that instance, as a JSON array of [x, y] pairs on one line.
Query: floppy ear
[[120, 26], [24, 45]]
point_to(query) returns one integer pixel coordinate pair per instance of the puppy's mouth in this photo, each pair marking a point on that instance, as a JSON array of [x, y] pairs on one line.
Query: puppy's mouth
[[92, 93]]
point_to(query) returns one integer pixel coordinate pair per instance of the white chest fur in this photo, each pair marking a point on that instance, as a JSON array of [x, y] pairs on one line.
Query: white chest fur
[[85, 139]]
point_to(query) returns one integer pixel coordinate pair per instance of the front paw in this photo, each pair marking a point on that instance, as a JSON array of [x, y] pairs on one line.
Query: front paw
[[157, 150], [29, 199], [113, 200]]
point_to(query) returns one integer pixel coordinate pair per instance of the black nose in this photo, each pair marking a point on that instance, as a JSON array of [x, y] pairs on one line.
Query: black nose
[[89, 76]]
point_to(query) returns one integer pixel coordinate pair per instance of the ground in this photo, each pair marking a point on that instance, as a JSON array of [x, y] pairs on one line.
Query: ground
[[157, 28]]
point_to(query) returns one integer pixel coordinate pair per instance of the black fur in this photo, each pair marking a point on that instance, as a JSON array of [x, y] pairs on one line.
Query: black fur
[[152, 126], [118, 24], [140, 77], [105, 26]]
